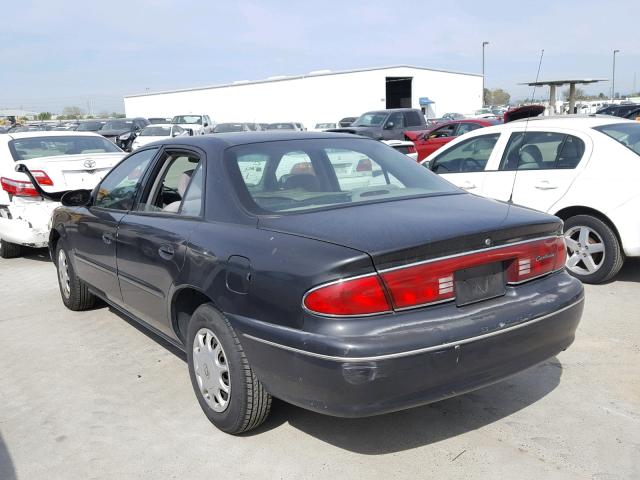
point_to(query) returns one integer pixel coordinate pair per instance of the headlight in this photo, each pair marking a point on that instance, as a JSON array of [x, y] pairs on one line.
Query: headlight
[[124, 136]]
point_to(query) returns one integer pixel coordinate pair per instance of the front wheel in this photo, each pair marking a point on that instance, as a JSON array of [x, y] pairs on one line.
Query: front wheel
[[228, 392], [594, 254], [75, 293]]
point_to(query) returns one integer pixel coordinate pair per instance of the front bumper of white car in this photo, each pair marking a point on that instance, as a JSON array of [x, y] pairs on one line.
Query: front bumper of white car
[[626, 218], [26, 222]]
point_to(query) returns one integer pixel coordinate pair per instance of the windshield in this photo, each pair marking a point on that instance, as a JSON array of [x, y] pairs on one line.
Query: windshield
[[37, 147], [325, 125], [156, 131], [628, 134], [118, 125], [229, 127], [187, 119], [281, 126], [371, 119], [298, 175], [90, 126]]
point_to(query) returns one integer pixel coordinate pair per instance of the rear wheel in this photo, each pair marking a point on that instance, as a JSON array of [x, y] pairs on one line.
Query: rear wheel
[[594, 254], [10, 250], [228, 392], [75, 293]]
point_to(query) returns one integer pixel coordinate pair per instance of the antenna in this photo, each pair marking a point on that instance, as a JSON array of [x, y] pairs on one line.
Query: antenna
[[526, 125]]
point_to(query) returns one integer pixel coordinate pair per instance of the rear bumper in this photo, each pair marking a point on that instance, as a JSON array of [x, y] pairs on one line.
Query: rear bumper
[[357, 386], [27, 224]]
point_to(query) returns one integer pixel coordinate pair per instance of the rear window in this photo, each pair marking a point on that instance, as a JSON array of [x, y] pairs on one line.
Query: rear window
[[628, 134], [155, 131], [37, 147], [299, 175]]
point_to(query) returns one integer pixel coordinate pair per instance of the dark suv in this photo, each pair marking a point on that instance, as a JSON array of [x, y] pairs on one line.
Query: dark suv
[[123, 131], [386, 124]]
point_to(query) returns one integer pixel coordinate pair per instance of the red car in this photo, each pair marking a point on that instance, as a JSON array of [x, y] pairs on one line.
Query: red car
[[429, 141]]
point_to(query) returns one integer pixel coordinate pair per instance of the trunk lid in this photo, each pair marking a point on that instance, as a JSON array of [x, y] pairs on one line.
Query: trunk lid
[[71, 172], [411, 230]]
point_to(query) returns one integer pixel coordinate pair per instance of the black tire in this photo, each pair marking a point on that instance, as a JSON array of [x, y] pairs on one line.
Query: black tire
[[10, 250], [613, 254], [78, 296], [248, 401]]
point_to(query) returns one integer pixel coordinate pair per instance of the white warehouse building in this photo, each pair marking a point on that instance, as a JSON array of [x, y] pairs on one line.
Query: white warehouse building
[[318, 97]]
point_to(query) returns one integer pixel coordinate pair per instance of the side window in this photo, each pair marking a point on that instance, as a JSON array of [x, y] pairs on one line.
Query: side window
[[397, 119], [466, 127], [119, 188], [443, 132], [412, 119], [570, 153], [469, 156], [171, 183], [539, 151], [192, 200]]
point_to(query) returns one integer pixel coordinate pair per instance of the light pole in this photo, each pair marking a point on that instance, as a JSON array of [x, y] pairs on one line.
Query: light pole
[[613, 76], [484, 44]]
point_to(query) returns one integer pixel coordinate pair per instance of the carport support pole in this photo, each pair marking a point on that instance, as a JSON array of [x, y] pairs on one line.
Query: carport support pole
[[572, 97], [552, 99]]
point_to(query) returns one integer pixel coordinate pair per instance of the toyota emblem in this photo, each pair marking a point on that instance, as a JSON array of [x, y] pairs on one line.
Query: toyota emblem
[[89, 163]]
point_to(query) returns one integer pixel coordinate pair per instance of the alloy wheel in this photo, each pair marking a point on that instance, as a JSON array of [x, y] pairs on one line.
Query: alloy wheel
[[211, 369], [63, 274], [585, 250]]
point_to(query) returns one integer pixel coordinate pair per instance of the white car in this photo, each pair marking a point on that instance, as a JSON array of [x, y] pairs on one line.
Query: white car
[[404, 146], [321, 127], [195, 124], [158, 131], [59, 161], [584, 170]]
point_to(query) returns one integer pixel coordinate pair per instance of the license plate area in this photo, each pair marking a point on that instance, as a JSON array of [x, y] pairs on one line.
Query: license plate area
[[479, 283]]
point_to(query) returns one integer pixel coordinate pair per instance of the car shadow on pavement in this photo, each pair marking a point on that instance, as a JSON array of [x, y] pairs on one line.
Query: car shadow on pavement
[[425, 425], [7, 471], [38, 254], [630, 272]]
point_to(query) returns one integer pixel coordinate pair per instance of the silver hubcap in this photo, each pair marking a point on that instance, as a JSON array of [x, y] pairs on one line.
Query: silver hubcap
[[211, 369], [585, 250], [63, 274]]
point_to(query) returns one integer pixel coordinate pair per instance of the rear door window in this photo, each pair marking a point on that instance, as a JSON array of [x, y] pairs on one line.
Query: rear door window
[[466, 127], [412, 119], [542, 151]]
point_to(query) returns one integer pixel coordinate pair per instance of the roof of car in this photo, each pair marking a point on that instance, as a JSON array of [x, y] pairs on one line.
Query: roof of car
[[52, 133], [231, 139], [564, 121]]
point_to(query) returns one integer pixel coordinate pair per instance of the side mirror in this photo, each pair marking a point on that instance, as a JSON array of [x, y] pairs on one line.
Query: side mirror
[[389, 126], [206, 124], [76, 198]]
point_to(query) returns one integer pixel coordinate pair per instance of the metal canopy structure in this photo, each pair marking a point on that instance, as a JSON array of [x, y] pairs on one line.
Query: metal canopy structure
[[572, 88]]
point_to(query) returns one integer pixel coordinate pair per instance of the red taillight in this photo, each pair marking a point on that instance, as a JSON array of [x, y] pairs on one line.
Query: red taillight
[[364, 165], [18, 188], [433, 281], [357, 296], [411, 149], [41, 177]]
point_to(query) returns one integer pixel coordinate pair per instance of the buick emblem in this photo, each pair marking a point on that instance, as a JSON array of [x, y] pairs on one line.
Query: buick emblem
[[89, 163], [487, 242]]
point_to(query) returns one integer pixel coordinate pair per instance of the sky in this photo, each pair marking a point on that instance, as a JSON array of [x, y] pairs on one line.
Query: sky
[[72, 52]]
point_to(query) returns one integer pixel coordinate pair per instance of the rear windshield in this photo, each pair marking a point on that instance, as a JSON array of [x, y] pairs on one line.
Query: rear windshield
[[118, 125], [298, 175], [155, 131], [90, 126], [229, 127], [37, 147], [281, 126], [628, 134]]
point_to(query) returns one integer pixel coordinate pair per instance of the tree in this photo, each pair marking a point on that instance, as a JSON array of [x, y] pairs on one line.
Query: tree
[[45, 116], [117, 115], [580, 95], [103, 114], [496, 97], [72, 112], [486, 97]]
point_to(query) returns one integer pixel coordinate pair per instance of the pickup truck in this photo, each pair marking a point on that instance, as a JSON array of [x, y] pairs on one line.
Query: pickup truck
[[386, 124]]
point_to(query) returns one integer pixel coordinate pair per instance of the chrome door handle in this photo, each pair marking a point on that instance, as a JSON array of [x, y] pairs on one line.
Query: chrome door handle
[[107, 238], [166, 252], [468, 186]]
